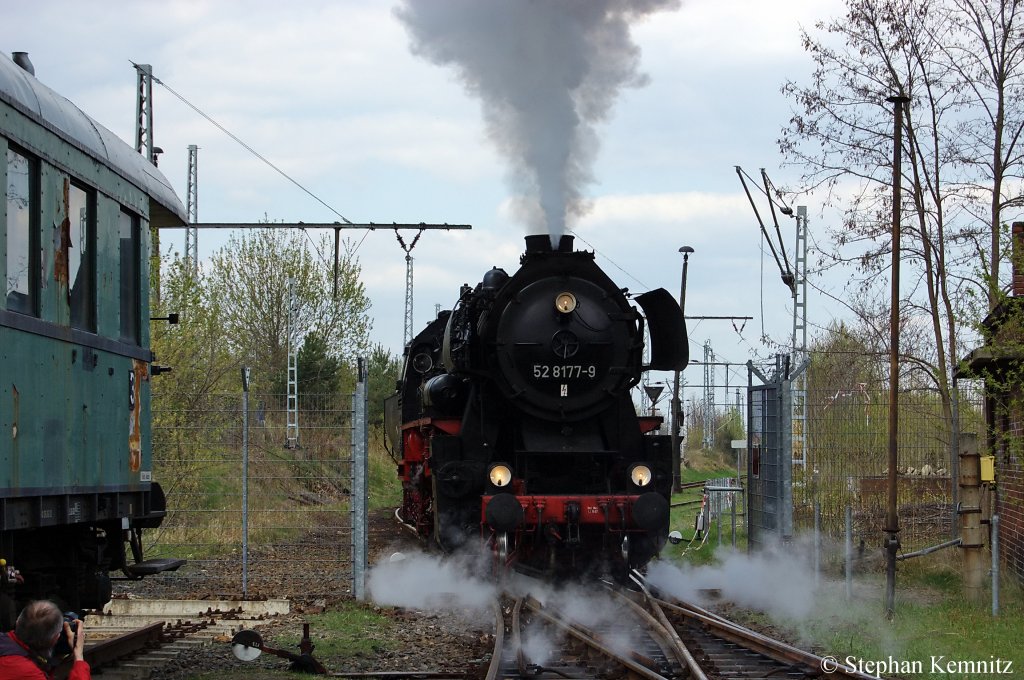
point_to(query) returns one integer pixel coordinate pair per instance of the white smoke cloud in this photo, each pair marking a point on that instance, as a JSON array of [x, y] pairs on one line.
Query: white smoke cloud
[[429, 582], [775, 581], [546, 74]]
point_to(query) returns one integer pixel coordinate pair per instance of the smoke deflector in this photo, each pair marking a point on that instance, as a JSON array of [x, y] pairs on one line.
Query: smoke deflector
[[670, 348]]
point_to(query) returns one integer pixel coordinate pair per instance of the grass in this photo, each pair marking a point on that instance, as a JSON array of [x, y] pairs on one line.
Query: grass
[[385, 488], [696, 550], [206, 496], [932, 621], [934, 633], [931, 618], [353, 630], [342, 638]]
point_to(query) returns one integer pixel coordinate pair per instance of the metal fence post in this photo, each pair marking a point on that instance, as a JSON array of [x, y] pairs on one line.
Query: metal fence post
[[718, 521], [733, 510], [817, 543], [995, 565], [849, 552], [954, 461], [245, 481], [360, 446], [785, 455]]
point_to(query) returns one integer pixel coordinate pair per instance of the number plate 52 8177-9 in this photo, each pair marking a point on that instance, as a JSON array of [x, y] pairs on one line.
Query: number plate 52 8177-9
[[564, 371]]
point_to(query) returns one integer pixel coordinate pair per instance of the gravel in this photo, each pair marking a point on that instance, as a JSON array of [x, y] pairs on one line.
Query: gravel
[[452, 641]]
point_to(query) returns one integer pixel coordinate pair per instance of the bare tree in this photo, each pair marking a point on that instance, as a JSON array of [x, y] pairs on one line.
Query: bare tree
[[955, 151], [987, 53]]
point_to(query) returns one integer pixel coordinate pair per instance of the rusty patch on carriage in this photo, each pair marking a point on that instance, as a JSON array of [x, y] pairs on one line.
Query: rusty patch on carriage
[[62, 238], [139, 373]]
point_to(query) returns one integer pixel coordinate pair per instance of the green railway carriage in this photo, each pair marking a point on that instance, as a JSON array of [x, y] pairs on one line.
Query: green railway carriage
[[76, 481]]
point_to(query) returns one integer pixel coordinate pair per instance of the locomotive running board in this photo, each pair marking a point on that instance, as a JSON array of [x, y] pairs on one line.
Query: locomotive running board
[[154, 566]]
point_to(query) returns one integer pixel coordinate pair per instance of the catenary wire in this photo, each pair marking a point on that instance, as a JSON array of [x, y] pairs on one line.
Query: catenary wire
[[260, 156]]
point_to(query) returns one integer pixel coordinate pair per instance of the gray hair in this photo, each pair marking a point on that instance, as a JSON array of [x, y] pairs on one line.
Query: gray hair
[[38, 624]]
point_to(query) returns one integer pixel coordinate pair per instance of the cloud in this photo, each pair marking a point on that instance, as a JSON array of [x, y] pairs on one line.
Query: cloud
[[672, 208]]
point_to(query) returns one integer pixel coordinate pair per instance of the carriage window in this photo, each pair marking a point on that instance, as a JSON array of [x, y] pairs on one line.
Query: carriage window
[[128, 227], [81, 257], [21, 290]]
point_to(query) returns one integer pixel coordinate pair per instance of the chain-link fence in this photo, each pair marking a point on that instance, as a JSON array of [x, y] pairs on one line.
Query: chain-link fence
[[846, 447], [252, 511]]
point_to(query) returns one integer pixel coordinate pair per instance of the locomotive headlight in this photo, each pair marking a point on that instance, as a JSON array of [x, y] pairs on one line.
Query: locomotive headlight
[[565, 302], [500, 475], [640, 475]]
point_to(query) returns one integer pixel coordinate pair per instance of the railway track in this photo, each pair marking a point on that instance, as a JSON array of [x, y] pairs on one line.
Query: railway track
[[644, 636], [129, 639], [728, 650], [538, 641]]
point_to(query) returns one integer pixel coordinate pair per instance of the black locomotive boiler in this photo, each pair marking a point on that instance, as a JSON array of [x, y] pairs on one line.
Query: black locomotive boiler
[[515, 422]]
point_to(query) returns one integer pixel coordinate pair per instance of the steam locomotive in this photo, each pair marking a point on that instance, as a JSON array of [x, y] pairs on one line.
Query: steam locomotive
[[515, 423]]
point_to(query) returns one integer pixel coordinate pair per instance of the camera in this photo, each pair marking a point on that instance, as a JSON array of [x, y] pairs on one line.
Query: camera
[[63, 648]]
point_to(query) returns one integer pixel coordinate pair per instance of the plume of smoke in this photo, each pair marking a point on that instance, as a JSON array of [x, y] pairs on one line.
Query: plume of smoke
[[546, 73], [427, 582], [779, 581], [775, 581], [587, 605], [538, 647]]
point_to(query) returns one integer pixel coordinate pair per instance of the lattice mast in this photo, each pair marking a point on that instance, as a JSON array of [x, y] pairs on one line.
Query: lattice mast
[[291, 434], [709, 396], [144, 111], [144, 145], [407, 332], [800, 339], [192, 205], [407, 337]]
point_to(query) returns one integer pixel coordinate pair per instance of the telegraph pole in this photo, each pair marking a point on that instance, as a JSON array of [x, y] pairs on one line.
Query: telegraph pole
[[677, 457], [892, 526]]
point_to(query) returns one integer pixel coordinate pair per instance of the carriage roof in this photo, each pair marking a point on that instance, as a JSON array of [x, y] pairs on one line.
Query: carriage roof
[[47, 108]]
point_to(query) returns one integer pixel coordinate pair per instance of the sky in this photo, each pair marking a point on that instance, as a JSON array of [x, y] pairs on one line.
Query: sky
[[331, 93]]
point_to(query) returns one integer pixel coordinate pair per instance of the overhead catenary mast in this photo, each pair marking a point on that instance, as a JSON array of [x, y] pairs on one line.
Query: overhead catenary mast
[[144, 111], [407, 334], [795, 278], [144, 145], [800, 339], [192, 205], [709, 397]]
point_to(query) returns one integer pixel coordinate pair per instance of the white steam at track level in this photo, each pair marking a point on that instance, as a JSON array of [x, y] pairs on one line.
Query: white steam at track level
[[546, 73], [431, 583], [778, 581], [461, 583]]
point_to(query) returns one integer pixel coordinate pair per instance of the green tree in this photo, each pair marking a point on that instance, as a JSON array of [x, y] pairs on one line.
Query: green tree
[[197, 348], [252, 275], [319, 370], [384, 370]]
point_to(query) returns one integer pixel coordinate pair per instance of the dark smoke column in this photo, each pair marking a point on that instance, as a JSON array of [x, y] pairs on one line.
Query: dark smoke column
[[546, 72]]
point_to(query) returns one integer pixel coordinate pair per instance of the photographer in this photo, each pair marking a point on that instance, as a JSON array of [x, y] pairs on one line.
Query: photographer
[[26, 653]]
